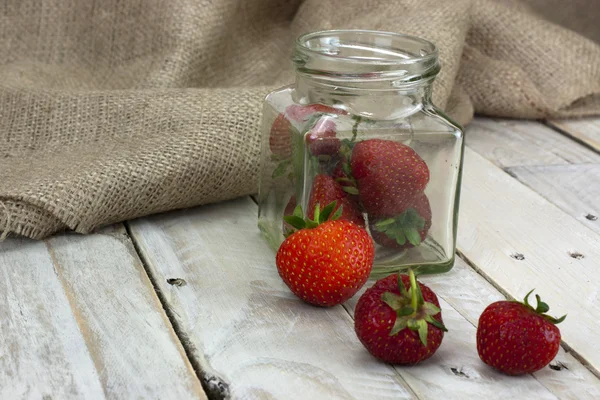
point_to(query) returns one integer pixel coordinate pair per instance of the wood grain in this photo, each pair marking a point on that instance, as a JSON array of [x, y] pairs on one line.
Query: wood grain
[[501, 218], [79, 319], [243, 323], [586, 130], [510, 143], [573, 188]]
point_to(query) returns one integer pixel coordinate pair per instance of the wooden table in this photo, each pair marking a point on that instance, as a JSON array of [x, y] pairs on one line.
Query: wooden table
[[189, 305]]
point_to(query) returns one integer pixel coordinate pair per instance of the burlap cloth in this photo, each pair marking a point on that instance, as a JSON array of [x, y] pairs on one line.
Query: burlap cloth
[[115, 109]]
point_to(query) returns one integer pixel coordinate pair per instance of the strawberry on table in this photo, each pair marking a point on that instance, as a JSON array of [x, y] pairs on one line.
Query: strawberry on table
[[406, 230], [515, 338], [399, 320], [326, 190], [327, 260], [389, 175]]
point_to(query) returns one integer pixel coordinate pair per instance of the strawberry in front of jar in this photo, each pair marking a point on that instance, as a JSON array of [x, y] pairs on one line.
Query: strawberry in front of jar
[[406, 230], [327, 260], [389, 176], [399, 320], [515, 338]]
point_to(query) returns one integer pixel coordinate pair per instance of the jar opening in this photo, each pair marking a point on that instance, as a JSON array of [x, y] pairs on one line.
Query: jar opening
[[362, 55]]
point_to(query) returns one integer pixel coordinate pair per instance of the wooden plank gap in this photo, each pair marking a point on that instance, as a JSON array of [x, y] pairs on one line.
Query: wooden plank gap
[[214, 386], [581, 139]]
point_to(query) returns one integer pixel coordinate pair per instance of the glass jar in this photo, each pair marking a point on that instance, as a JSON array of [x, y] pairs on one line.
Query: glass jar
[[358, 127]]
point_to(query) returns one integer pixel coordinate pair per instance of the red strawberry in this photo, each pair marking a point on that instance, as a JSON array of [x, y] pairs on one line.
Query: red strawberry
[[321, 138], [399, 322], [325, 190], [280, 140], [389, 175], [515, 338], [406, 230], [325, 262]]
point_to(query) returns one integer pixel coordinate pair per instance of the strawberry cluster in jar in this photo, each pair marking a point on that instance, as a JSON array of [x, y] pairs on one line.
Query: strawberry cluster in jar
[[358, 128]]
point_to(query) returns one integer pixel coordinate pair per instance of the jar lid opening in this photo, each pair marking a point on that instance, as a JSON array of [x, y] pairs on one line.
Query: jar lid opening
[[363, 54]]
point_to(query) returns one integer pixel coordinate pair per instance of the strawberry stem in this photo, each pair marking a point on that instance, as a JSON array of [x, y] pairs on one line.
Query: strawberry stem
[[541, 308]]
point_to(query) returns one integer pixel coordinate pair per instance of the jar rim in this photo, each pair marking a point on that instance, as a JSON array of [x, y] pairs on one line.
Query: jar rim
[[428, 50]]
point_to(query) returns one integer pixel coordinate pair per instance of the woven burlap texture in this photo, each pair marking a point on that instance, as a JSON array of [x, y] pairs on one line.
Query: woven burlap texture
[[115, 109]]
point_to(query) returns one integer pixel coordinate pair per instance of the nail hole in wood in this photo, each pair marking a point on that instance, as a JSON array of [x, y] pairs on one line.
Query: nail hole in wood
[[576, 255], [176, 282], [518, 256], [558, 366], [591, 217], [458, 372]]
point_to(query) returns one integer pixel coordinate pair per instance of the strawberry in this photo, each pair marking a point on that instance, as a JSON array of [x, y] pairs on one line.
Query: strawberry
[[328, 260], [321, 138], [280, 139], [399, 320], [515, 338], [406, 230], [326, 190], [389, 175]]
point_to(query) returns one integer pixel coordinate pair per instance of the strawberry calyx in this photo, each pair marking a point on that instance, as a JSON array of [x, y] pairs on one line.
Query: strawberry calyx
[[298, 221], [412, 311], [405, 227], [541, 309]]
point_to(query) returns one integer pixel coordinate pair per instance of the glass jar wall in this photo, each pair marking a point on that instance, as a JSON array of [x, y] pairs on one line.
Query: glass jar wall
[[358, 127]]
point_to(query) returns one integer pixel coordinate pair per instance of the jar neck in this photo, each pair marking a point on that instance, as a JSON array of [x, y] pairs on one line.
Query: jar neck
[[375, 101], [377, 75]]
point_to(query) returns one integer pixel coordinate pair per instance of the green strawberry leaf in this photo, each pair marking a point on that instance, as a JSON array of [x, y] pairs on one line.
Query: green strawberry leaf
[[413, 236], [337, 214], [405, 311], [298, 211], [401, 286], [541, 306], [317, 215], [392, 300], [422, 329], [326, 212], [295, 221], [436, 323], [346, 168], [350, 189], [383, 223], [400, 239], [430, 309], [400, 324], [402, 228]]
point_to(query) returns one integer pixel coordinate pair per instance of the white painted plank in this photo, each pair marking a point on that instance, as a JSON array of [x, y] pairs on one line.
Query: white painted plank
[[585, 129], [80, 319], [500, 217], [509, 143], [573, 188], [243, 321], [469, 293]]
